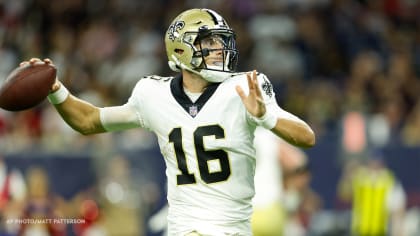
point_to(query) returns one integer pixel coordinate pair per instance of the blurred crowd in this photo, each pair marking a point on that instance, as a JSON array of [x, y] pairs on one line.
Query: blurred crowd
[[111, 197], [324, 57]]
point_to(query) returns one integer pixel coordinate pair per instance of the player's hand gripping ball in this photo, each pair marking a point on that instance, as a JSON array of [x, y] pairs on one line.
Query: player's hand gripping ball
[[27, 85]]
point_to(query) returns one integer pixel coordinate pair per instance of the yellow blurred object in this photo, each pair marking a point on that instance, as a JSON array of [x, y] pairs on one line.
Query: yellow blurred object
[[370, 193], [268, 221]]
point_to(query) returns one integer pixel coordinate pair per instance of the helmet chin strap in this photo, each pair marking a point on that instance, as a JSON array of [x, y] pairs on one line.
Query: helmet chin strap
[[173, 66], [214, 76], [209, 75]]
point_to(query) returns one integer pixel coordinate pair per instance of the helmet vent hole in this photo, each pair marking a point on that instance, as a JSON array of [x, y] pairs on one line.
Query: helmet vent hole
[[179, 51]]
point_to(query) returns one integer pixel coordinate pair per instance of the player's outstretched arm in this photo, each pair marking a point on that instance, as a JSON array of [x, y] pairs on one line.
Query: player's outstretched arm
[[78, 114], [293, 130]]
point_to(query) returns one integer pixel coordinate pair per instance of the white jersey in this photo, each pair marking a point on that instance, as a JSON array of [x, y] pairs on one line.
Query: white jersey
[[207, 146]]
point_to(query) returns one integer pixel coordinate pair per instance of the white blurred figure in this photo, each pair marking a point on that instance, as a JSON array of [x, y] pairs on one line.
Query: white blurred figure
[[283, 201], [268, 216], [294, 164], [158, 222], [12, 196], [301, 202]]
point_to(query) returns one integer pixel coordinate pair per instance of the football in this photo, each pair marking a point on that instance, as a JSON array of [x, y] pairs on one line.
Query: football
[[27, 86]]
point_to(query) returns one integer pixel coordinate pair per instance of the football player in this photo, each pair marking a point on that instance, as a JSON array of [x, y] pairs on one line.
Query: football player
[[204, 119]]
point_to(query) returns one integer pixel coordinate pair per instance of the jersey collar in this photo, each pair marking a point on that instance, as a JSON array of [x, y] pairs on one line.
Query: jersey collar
[[192, 108]]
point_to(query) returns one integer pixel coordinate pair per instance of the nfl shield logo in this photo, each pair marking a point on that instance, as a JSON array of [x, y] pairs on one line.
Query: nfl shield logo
[[193, 110]]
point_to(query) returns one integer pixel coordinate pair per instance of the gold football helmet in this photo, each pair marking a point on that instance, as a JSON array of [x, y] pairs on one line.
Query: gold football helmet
[[194, 35]]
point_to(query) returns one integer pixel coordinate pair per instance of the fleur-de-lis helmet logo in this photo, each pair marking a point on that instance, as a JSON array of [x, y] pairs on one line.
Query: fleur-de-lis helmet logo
[[174, 28]]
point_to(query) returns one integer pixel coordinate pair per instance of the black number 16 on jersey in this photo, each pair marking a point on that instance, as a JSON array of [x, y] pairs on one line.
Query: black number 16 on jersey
[[203, 156]]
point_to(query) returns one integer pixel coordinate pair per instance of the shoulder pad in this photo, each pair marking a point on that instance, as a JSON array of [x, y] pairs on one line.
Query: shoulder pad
[[264, 82], [266, 86], [238, 74], [158, 78], [245, 72]]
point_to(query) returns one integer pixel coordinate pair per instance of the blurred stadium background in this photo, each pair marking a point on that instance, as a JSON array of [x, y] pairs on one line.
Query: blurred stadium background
[[351, 68]]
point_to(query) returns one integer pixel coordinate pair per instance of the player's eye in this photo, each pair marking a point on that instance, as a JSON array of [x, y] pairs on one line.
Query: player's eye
[[212, 41]]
